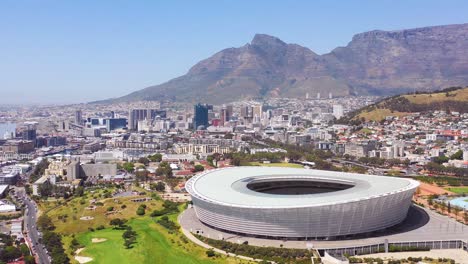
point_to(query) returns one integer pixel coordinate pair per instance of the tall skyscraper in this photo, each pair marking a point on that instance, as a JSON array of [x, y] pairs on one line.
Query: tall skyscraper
[[135, 115], [78, 117], [225, 114], [30, 132], [200, 116], [257, 113]]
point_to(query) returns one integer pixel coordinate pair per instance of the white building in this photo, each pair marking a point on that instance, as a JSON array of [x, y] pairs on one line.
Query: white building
[[338, 111]]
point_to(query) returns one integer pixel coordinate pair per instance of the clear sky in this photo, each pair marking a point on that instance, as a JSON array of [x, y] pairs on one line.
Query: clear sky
[[79, 51]]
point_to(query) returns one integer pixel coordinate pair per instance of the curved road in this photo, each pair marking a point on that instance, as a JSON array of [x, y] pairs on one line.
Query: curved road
[[30, 218]]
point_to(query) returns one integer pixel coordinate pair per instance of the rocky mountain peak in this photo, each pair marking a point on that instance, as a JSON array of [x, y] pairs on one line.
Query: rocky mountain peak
[[376, 62]]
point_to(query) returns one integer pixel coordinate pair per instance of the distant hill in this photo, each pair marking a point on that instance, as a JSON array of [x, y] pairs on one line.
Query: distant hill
[[375, 62], [451, 99]]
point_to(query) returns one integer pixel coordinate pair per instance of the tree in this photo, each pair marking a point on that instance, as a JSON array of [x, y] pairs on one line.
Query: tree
[[236, 161], [210, 253], [29, 260], [128, 166], [159, 186], [141, 175], [441, 159], [10, 253], [198, 168], [155, 157], [45, 189], [79, 191], [117, 222], [140, 211], [294, 155], [24, 250], [164, 169], [457, 155], [44, 223], [129, 237], [144, 161]]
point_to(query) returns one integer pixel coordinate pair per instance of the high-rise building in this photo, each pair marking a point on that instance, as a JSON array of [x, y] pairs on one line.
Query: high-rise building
[[200, 116], [78, 117], [30, 132], [225, 114], [257, 113], [116, 123], [135, 115]]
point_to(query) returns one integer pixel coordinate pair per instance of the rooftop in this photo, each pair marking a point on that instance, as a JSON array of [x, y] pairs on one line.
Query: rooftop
[[229, 186]]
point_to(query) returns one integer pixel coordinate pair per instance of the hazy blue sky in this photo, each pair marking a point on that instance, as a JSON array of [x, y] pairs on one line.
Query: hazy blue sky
[[78, 51]]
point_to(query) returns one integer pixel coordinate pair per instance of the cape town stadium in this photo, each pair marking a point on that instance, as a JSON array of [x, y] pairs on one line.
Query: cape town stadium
[[298, 203]]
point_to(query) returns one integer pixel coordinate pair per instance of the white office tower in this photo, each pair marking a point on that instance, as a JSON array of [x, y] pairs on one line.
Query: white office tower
[[318, 95], [338, 111], [330, 96]]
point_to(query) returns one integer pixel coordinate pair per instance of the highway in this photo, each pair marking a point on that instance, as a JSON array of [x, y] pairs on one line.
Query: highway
[[30, 218]]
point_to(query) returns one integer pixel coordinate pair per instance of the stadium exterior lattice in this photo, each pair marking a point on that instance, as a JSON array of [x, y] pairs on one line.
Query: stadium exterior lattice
[[298, 203]]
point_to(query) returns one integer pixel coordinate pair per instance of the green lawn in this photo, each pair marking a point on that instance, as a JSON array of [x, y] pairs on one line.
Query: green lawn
[[458, 190], [281, 164], [154, 245]]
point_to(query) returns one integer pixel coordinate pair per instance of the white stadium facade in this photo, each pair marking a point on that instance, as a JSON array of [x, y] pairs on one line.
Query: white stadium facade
[[288, 203]]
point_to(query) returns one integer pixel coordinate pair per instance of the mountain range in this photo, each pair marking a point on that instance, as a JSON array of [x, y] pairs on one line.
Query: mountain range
[[373, 63]]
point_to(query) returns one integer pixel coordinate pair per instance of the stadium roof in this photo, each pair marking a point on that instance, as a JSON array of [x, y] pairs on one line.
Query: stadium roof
[[228, 186]]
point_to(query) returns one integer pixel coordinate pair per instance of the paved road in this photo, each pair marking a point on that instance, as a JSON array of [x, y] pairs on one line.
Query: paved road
[[30, 218]]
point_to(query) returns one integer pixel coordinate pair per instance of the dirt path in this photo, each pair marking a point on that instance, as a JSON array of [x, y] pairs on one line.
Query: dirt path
[[428, 189]]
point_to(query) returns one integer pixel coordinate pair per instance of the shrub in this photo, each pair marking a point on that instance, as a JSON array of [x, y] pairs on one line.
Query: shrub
[[140, 211], [210, 253]]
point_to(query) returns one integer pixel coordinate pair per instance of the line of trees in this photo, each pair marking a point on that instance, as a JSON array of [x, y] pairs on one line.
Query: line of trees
[[280, 255], [52, 240], [448, 170]]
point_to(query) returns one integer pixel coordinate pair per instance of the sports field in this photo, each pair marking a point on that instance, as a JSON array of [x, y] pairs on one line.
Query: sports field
[[458, 190]]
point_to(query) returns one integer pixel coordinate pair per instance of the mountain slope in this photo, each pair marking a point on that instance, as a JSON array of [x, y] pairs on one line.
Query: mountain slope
[[375, 62], [450, 99]]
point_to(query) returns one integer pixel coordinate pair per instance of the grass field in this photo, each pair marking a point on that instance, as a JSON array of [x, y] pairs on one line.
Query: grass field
[[155, 244], [67, 216], [379, 114], [458, 190], [458, 95], [281, 164]]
